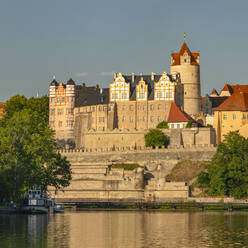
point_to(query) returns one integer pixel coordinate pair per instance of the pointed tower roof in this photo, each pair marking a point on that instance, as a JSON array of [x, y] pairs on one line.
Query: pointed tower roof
[[54, 82], [177, 115], [185, 48]]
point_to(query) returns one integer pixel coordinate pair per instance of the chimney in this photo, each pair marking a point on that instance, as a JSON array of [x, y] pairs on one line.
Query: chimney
[[152, 76], [100, 90], [132, 77]]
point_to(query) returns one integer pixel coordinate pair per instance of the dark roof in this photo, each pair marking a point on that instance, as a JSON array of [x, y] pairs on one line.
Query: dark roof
[[54, 83], [70, 82], [216, 101], [91, 96]]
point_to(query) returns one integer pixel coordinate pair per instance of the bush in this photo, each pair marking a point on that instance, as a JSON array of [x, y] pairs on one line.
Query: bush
[[189, 124], [155, 138], [203, 179], [163, 124], [126, 166]]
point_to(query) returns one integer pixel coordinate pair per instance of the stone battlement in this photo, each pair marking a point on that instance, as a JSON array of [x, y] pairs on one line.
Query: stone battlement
[[140, 149]]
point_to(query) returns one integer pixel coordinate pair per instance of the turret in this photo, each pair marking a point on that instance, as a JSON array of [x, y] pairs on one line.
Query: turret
[[188, 65], [70, 103]]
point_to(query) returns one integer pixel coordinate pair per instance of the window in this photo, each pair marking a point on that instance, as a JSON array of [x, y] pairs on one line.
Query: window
[[60, 123], [131, 119], [68, 111], [138, 118], [144, 107], [159, 118], [58, 99], [124, 107], [172, 125], [131, 107], [63, 99], [141, 95], [159, 106], [114, 96], [152, 118], [105, 108], [93, 109], [167, 94], [52, 99], [234, 116], [166, 106], [178, 125], [138, 107], [100, 108], [224, 116], [151, 107], [52, 123], [52, 111], [69, 123], [123, 118], [60, 112], [144, 118], [100, 119], [67, 98]]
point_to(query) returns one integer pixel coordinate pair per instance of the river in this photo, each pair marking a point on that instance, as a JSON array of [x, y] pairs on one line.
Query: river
[[117, 229]]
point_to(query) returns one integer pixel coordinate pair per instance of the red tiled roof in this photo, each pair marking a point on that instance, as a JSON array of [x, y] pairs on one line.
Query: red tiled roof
[[228, 88], [177, 115], [237, 101], [176, 56]]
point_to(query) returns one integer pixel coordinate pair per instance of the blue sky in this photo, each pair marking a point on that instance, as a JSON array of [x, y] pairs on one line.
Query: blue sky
[[91, 39]]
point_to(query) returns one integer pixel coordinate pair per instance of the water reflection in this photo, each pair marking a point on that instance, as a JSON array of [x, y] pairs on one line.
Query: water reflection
[[111, 229]]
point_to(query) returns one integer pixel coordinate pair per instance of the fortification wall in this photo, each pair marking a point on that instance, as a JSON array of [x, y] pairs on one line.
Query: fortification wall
[[142, 155], [133, 139]]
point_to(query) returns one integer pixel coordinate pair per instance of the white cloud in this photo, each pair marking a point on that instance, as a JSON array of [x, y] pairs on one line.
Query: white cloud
[[107, 73], [81, 74]]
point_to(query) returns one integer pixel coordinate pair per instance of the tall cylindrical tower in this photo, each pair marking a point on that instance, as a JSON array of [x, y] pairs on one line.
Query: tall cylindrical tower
[[188, 65]]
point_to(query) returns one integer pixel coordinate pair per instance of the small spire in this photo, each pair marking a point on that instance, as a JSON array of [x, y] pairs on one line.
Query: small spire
[[184, 36], [54, 77], [71, 75]]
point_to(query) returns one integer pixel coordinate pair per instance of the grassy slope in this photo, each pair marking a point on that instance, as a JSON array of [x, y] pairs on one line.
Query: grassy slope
[[186, 170]]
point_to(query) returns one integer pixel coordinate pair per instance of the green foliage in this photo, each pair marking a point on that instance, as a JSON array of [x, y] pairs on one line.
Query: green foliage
[[163, 124], [203, 179], [28, 152], [156, 137], [18, 103], [209, 126], [228, 170], [126, 166], [189, 124]]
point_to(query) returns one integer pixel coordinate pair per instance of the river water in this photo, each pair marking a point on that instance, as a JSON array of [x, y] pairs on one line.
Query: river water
[[117, 229]]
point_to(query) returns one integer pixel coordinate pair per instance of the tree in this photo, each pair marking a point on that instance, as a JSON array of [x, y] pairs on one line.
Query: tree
[[28, 152], [17, 103], [228, 171], [156, 137], [163, 124]]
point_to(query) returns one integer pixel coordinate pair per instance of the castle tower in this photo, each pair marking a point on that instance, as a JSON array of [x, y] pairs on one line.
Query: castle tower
[[188, 65]]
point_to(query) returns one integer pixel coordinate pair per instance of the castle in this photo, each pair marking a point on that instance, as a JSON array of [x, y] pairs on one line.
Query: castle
[[132, 102]]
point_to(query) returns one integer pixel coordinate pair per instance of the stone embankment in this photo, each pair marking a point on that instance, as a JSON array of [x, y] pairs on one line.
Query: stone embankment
[[94, 180]]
